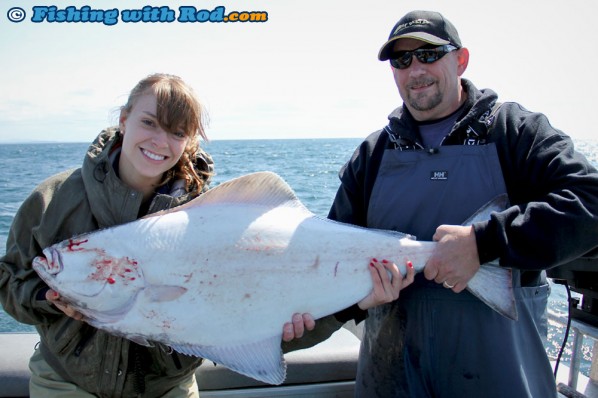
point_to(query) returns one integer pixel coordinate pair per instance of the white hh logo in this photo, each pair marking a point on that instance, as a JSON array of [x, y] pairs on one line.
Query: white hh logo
[[439, 175]]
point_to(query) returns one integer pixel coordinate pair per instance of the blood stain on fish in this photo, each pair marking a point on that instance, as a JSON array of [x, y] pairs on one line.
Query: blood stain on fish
[[108, 268], [73, 243]]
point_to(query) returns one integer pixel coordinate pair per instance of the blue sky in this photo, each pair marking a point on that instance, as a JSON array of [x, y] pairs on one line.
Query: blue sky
[[309, 71]]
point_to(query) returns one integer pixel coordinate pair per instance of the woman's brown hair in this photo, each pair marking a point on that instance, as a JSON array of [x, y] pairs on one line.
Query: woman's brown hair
[[177, 109]]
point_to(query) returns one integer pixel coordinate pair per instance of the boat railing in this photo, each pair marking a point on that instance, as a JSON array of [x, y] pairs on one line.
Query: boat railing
[[578, 331]]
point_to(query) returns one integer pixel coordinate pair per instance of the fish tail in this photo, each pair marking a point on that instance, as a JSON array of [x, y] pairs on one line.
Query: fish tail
[[494, 286]]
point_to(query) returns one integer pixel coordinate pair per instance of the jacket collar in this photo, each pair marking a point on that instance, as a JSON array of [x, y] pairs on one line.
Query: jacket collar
[[111, 201], [406, 132]]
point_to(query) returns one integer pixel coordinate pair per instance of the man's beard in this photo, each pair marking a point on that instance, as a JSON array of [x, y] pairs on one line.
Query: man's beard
[[426, 102]]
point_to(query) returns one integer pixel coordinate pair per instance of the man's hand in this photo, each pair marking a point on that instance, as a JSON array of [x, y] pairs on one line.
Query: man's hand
[[455, 260]]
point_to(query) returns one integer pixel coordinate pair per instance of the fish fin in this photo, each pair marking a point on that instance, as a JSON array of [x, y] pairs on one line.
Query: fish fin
[[163, 293], [262, 361], [494, 286], [264, 187], [498, 203]]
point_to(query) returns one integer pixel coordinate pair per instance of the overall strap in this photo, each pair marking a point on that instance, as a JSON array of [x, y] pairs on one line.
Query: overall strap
[[477, 131], [374, 164], [492, 117]]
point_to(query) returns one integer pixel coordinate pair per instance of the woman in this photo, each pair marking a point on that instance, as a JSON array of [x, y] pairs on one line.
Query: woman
[[150, 162]]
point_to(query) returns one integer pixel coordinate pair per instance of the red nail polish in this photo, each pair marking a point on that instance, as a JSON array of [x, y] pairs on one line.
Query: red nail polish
[[409, 264], [371, 264], [375, 260], [385, 261]]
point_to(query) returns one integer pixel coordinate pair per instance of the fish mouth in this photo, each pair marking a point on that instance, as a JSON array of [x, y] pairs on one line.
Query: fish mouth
[[51, 264], [55, 263]]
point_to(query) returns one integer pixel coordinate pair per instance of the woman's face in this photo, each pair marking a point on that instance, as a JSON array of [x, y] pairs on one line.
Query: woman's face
[[147, 151]]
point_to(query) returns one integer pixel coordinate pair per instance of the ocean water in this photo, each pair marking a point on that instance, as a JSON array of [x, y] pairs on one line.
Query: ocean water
[[310, 166]]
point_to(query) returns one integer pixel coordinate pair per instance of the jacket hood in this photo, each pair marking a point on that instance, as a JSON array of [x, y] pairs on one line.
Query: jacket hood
[[111, 200]]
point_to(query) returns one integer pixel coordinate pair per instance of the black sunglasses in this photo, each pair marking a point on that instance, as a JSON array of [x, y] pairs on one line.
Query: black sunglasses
[[402, 59]]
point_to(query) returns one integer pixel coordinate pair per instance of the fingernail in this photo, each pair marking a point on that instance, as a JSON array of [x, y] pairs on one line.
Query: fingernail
[[374, 259], [385, 261], [409, 264], [371, 264]]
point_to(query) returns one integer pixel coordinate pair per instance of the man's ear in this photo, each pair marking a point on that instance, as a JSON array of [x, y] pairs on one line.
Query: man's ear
[[462, 60]]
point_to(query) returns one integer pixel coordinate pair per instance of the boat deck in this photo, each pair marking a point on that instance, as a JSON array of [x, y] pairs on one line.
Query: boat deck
[[324, 371]]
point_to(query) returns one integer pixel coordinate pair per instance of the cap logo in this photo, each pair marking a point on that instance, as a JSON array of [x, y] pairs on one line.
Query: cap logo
[[420, 21]]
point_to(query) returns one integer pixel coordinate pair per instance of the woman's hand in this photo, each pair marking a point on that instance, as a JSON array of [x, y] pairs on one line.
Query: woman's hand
[[54, 298], [388, 282]]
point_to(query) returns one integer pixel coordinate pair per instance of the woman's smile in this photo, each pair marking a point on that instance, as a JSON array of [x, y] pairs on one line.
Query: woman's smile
[[152, 155]]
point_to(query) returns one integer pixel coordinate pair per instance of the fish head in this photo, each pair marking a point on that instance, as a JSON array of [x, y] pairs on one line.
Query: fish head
[[88, 277]]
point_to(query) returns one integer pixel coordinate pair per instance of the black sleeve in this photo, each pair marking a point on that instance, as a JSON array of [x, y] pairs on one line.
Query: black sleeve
[[553, 190]]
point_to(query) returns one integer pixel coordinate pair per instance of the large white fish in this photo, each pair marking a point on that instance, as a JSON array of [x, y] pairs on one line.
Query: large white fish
[[220, 275]]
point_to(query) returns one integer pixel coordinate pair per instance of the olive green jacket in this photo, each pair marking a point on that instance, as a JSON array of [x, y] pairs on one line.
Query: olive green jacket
[[70, 203]]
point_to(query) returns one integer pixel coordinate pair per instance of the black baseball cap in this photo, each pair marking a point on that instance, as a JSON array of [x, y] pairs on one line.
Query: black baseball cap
[[428, 26]]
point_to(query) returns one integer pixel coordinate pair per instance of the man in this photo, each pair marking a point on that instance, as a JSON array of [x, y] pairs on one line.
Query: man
[[448, 150]]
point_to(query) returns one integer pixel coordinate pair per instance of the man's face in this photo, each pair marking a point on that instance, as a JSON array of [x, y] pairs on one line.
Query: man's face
[[433, 90]]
